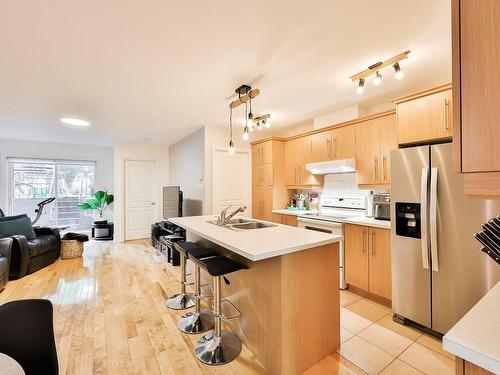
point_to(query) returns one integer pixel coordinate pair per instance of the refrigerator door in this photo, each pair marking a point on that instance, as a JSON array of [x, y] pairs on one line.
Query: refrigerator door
[[411, 284], [462, 273]]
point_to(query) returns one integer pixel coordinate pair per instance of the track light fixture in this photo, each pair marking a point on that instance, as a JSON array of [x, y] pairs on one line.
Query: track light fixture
[[398, 72], [267, 122], [375, 69], [361, 86]]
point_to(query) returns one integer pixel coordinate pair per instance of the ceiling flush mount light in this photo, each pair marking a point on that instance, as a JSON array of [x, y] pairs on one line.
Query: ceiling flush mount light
[[399, 74], [361, 86], [375, 70], [74, 121]]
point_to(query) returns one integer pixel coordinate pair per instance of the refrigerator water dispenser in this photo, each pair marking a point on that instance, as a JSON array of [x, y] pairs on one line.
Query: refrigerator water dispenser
[[408, 219]]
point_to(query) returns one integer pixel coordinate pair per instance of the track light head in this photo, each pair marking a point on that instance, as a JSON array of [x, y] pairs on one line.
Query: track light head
[[361, 86], [267, 122], [399, 73], [378, 79]]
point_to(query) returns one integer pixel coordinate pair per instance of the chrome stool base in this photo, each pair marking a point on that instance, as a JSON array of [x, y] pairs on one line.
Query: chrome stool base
[[196, 322], [181, 301], [213, 350]]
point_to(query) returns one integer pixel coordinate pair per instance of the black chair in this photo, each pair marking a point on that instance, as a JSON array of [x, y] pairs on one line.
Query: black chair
[[27, 335]]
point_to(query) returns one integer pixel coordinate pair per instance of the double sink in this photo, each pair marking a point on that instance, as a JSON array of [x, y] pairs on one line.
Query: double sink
[[242, 224]]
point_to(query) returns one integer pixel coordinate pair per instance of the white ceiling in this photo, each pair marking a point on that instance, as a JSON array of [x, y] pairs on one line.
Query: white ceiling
[[159, 69]]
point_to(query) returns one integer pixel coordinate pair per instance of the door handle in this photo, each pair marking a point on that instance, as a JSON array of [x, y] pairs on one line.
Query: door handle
[[373, 242], [433, 219], [424, 240], [446, 110], [384, 167], [153, 203]]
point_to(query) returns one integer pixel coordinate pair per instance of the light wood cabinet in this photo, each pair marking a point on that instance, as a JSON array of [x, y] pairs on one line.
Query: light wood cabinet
[[476, 95], [356, 255], [463, 367], [375, 139], [425, 116], [334, 144], [368, 259], [298, 152], [262, 153], [262, 202], [263, 174], [286, 219]]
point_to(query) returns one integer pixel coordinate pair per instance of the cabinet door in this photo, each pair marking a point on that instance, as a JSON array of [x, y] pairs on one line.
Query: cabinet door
[[425, 118], [356, 255], [380, 262], [388, 141], [257, 202], [290, 220], [480, 85], [256, 154], [266, 152], [344, 143], [321, 146], [256, 175], [368, 152], [267, 176], [290, 161], [304, 155], [267, 203]]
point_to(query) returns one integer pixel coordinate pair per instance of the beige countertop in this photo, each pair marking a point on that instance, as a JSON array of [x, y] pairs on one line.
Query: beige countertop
[[256, 244], [292, 213], [369, 221], [476, 337]]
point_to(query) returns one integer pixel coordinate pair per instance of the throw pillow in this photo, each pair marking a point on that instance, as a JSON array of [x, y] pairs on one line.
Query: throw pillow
[[19, 224]]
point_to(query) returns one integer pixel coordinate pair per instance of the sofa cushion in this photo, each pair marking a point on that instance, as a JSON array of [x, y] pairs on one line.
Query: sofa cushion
[[4, 262], [20, 224], [42, 244]]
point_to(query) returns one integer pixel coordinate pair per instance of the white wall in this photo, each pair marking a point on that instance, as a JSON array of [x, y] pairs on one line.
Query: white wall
[[217, 136], [103, 156], [187, 168], [135, 151]]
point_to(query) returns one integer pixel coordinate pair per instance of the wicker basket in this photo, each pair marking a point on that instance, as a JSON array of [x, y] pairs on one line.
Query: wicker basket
[[71, 249]]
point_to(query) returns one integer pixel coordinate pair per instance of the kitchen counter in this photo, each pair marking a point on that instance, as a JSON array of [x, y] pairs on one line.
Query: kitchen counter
[[292, 213], [256, 244], [289, 292], [476, 337], [369, 221]]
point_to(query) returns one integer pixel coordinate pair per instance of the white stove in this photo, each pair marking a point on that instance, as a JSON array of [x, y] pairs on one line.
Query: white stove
[[330, 218]]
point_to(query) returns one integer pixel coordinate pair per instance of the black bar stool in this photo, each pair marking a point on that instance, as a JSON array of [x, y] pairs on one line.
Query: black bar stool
[[197, 321], [219, 347], [182, 300]]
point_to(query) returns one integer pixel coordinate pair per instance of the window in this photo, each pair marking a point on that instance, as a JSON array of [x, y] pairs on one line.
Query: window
[[69, 181]]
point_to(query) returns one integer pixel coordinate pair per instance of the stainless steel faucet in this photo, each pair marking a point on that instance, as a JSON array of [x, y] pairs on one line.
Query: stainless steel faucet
[[224, 218]]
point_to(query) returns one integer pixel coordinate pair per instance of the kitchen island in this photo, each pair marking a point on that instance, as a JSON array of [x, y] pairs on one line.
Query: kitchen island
[[289, 296]]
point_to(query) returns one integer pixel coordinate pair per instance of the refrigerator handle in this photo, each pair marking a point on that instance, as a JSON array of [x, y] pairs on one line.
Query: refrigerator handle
[[423, 217], [433, 220]]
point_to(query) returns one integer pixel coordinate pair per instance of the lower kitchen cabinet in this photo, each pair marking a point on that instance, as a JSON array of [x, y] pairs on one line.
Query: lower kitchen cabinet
[[463, 367], [286, 219], [368, 259]]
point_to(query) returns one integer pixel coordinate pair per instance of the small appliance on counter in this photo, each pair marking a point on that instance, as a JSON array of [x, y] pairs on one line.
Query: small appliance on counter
[[382, 206]]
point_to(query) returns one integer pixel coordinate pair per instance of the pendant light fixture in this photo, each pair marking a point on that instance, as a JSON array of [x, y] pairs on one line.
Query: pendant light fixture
[[375, 69], [250, 114], [399, 74], [245, 135], [231, 144]]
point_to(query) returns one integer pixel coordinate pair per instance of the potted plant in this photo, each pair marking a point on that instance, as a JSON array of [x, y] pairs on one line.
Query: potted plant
[[100, 202]]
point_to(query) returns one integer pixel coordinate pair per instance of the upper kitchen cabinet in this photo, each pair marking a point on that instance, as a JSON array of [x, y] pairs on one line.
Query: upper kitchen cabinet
[[425, 116], [338, 143], [262, 153], [476, 94], [298, 152], [375, 138]]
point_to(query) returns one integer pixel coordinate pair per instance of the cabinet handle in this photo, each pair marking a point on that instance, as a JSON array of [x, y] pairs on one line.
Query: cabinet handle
[[375, 168], [335, 148], [328, 149], [363, 248], [373, 243], [446, 110], [384, 167]]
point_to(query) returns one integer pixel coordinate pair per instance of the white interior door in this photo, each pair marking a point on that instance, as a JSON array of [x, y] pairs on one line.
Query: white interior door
[[141, 198], [231, 181]]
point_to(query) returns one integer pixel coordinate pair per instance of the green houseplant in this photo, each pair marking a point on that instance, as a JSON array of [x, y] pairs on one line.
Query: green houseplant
[[102, 200]]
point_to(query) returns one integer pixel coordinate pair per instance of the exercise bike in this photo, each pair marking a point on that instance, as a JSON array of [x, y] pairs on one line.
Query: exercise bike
[[40, 208]]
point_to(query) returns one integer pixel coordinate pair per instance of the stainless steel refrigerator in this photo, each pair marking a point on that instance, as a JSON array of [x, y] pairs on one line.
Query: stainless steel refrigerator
[[438, 269]]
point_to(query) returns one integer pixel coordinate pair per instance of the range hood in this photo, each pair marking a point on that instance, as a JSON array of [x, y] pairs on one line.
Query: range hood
[[333, 166]]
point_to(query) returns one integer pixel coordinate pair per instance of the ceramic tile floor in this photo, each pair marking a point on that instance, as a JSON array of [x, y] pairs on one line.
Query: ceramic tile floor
[[372, 341]]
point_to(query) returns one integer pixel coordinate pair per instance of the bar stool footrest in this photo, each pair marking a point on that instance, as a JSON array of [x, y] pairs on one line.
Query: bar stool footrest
[[231, 317]]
